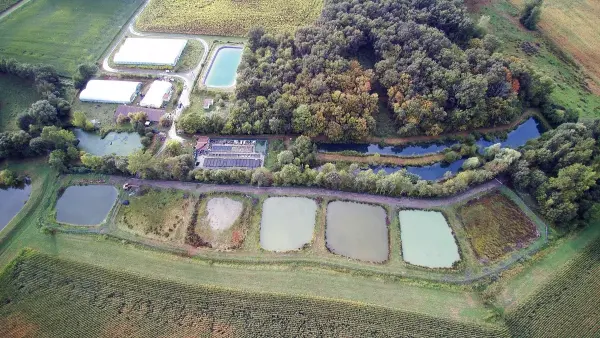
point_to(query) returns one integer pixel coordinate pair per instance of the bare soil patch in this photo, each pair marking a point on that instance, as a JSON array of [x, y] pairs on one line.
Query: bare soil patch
[[223, 212], [15, 326]]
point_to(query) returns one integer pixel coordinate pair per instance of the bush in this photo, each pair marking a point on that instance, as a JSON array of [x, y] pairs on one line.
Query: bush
[[530, 16]]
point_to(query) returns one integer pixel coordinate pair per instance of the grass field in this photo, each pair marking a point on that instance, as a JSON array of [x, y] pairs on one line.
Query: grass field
[[567, 306], [6, 4], [226, 17], [63, 33], [496, 226], [573, 25], [160, 213], [17, 95], [572, 90]]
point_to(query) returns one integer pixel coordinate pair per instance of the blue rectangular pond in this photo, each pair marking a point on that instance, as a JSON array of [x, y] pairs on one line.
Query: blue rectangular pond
[[432, 172], [12, 201], [222, 71]]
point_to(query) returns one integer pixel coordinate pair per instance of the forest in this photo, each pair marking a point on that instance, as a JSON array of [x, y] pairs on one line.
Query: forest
[[432, 66]]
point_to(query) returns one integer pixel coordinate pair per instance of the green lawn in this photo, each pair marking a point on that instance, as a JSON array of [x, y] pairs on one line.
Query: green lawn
[[63, 33], [571, 89], [16, 97]]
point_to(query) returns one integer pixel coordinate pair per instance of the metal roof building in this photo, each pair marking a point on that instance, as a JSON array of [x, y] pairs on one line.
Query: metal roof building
[[145, 51], [158, 94], [110, 91]]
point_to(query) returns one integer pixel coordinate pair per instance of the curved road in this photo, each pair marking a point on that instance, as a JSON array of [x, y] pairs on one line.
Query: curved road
[[188, 77]]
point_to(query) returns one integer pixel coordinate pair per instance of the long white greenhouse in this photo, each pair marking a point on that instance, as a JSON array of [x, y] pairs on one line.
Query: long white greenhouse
[[145, 51], [158, 94], [110, 91]]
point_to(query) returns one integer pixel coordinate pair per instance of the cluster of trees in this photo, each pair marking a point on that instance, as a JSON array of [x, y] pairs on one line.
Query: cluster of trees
[[9, 179], [561, 170], [435, 69], [52, 110], [530, 16]]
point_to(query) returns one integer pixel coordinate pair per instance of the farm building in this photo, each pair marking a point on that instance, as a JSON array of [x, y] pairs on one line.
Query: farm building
[[208, 103], [144, 51], [153, 115], [158, 94], [110, 91]]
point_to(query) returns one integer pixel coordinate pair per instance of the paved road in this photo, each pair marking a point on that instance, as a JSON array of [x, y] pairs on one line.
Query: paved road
[[406, 202], [188, 77]]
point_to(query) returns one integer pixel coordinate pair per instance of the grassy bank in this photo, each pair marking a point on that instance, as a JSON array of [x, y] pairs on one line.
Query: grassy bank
[[17, 96]]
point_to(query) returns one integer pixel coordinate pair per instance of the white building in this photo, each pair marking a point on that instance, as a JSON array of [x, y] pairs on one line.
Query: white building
[[157, 95], [145, 51], [110, 91]]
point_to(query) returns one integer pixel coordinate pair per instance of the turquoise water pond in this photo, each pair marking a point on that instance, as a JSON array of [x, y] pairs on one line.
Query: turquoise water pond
[[86, 204], [12, 201], [357, 231], [223, 69], [287, 223], [121, 144], [427, 239]]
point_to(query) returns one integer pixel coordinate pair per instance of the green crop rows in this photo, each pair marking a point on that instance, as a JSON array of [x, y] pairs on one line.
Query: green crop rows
[[57, 298], [563, 308]]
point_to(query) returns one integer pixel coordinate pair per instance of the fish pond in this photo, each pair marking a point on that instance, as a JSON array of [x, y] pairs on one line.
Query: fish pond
[[432, 172], [86, 204], [287, 223], [223, 69], [357, 231], [427, 239], [12, 201], [121, 144], [528, 130]]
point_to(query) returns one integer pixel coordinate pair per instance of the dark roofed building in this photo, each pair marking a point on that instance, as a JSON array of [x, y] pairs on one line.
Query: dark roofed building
[[154, 115], [202, 143], [212, 162]]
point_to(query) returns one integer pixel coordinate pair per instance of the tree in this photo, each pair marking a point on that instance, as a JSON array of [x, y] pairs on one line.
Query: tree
[[91, 161], [58, 138], [471, 163], [122, 119], [7, 178], [285, 157], [41, 113], [530, 16], [173, 148], [140, 163], [304, 150], [58, 160], [139, 117], [80, 120], [262, 177], [83, 74]]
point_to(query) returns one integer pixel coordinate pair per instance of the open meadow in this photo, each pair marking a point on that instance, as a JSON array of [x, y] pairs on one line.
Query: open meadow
[[226, 17], [573, 25], [66, 33], [552, 58], [15, 98]]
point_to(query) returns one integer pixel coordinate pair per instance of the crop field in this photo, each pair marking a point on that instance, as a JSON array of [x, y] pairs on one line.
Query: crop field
[[567, 306], [226, 17], [6, 4], [573, 25], [66, 33], [95, 302], [17, 96], [496, 226], [164, 214], [573, 87]]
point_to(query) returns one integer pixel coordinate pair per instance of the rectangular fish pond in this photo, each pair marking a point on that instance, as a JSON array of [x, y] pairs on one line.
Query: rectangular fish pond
[[427, 239], [12, 201], [357, 231], [222, 71], [287, 223], [121, 144], [86, 204]]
